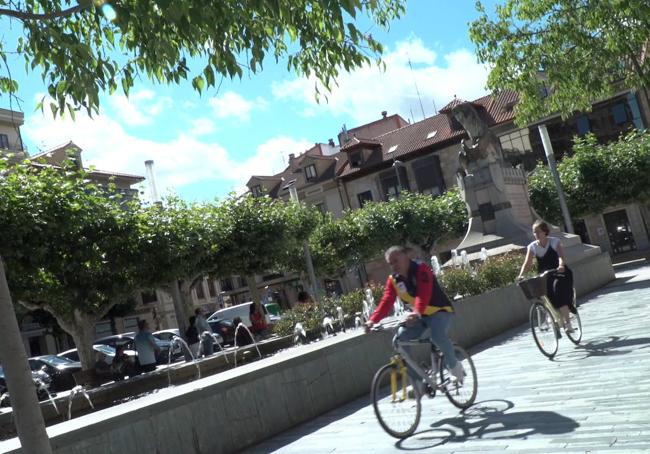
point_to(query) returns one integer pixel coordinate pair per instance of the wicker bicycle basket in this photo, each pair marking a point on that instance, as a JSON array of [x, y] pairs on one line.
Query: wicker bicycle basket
[[534, 287]]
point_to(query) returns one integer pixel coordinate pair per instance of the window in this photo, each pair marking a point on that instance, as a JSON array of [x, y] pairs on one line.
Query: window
[[364, 197], [431, 135], [211, 289], [310, 172], [356, 159], [226, 284], [516, 141], [391, 185], [582, 123], [428, 175], [198, 287], [149, 296], [130, 324], [393, 148], [620, 113], [256, 191], [4, 141]]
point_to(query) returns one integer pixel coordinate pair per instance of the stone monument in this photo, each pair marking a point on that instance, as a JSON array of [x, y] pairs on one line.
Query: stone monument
[[496, 194]]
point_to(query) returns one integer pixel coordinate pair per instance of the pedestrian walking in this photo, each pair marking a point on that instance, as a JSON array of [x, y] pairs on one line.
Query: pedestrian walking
[[145, 345]]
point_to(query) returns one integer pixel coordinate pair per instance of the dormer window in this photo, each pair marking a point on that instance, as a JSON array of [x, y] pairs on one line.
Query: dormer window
[[310, 172], [356, 159], [257, 191]]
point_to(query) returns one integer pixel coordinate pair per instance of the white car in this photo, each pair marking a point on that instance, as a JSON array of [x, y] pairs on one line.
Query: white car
[[242, 311], [107, 351], [169, 334]]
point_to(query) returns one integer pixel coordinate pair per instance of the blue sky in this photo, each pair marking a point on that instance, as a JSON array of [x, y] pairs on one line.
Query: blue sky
[[207, 145]]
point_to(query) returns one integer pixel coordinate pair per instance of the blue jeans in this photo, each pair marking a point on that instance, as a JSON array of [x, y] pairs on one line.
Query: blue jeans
[[438, 326]]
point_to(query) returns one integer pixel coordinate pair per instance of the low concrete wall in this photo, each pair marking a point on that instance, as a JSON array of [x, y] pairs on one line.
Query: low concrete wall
[[239, 407]]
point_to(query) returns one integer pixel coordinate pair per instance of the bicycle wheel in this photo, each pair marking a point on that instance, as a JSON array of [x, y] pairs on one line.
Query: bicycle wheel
[[575, 334], [397, 414], [544, 330], [461, 395]]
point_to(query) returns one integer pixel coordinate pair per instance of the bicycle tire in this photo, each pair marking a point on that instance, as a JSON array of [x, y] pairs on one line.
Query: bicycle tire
[[541, 324], [456, 392], [576, 335], [383, 405]]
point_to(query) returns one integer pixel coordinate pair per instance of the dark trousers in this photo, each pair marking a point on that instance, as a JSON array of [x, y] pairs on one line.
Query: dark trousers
[[560, 288]]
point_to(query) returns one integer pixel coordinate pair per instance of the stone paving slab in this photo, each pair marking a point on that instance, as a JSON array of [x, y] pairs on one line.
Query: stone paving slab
[[592, 398]]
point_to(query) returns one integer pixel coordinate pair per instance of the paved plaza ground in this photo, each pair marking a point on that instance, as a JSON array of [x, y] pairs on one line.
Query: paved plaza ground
[[592, 398]]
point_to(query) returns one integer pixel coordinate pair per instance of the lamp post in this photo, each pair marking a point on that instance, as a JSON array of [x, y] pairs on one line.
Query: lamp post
[[550, 157], [397, 164], [293, 193]]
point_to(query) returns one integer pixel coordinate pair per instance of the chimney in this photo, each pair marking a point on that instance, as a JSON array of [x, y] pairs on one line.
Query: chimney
[[384, 113], [151, 176], [291, 157], [330, 142]]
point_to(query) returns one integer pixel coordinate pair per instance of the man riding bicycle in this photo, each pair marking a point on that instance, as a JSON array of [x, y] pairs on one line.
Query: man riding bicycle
[[413, 282]]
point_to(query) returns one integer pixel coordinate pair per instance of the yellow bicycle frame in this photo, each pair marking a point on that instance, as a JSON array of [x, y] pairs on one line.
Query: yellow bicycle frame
[[400, 368]]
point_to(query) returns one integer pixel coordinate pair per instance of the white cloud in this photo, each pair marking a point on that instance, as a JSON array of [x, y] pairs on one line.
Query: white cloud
[[201, 126], [140, 108], [364, 93], [181, 161], [231, 104]]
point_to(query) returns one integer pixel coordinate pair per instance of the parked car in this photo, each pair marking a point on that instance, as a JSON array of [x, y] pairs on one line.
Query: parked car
[[58, 368], [224, 328], [242, 311], [41, 382], [168, 334], [108, 352], [127, 341]]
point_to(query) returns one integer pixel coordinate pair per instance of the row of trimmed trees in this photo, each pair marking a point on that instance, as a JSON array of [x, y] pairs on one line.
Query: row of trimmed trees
[[595, 176], [76, 249]]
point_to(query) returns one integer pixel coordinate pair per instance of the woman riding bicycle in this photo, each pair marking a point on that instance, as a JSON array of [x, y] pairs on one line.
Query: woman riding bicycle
[[413, 282], [550, 256]]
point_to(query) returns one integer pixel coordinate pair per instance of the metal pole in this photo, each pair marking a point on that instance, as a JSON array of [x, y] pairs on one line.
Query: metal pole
[[293, 193], [550, 157], [397, 165]]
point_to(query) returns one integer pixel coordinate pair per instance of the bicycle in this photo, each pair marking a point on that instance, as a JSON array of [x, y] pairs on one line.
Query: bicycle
[[392, 392], [545, 320]]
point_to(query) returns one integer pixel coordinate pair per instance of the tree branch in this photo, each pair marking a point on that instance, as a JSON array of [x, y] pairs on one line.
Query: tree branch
[[26, 16]]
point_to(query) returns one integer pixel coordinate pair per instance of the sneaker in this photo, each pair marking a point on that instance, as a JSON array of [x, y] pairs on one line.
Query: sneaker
[[569, 329], [458, 372]]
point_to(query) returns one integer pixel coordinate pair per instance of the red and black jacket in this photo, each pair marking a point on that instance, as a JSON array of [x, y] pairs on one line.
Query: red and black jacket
[[419, 289]]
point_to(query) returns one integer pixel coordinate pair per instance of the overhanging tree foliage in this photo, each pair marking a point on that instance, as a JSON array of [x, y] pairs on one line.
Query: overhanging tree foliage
[[83, 48], [586, 51], [361, 235], [595, 176]]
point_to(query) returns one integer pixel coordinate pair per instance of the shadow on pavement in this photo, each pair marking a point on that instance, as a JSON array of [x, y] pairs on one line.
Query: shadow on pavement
[[490, 420], [612, 346], [620, 284]]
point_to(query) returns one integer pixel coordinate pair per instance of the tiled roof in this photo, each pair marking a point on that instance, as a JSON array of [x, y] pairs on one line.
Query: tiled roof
[[116, 174], [454, 102], [354, 142], [421, 135]]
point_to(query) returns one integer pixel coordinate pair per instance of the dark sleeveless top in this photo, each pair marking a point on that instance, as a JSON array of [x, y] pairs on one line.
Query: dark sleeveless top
[[549, 261]]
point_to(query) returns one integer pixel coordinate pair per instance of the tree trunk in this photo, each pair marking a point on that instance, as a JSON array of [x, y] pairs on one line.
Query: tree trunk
[[180, 310], [82, 330], [252, 288], [27, 412]]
